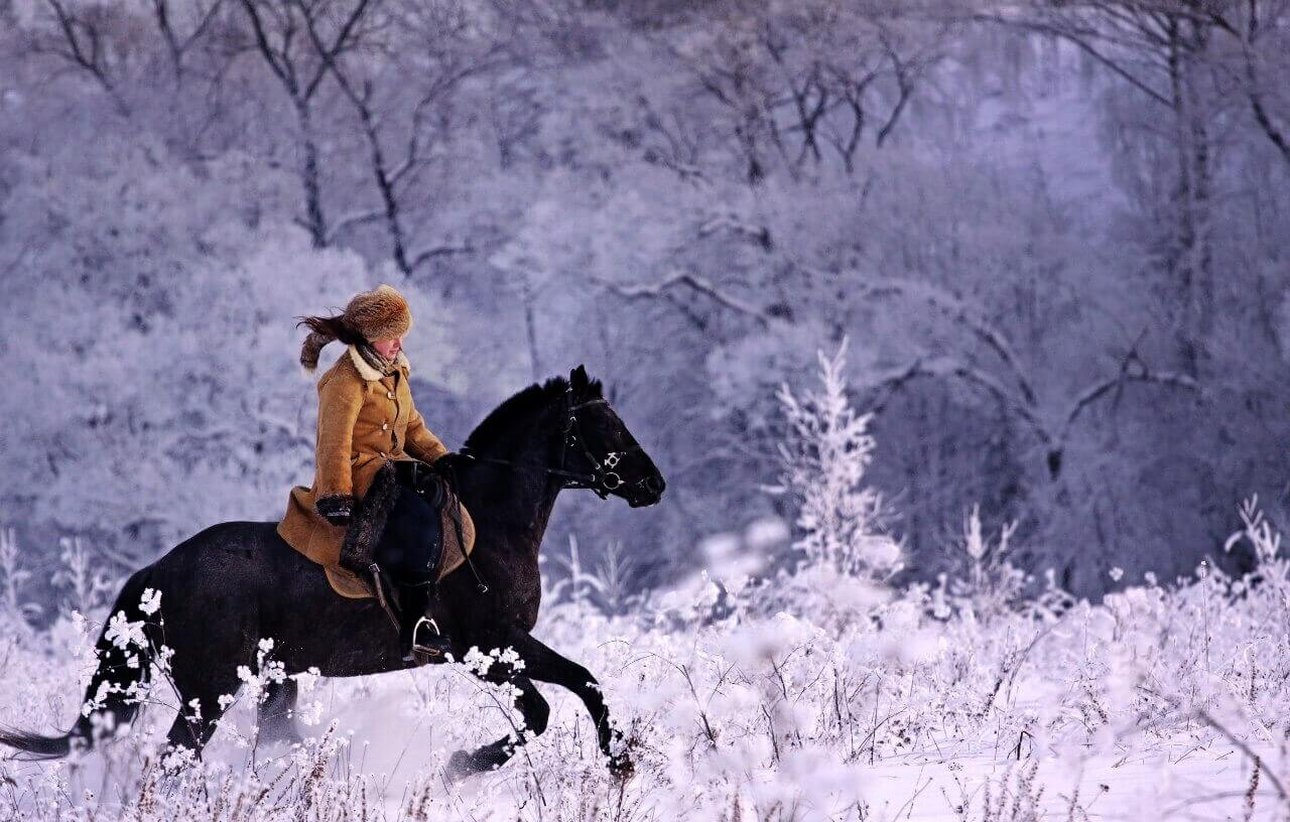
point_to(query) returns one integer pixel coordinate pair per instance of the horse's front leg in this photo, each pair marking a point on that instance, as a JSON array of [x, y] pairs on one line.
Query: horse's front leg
[[545, 665], [277, 712], [534, 713]]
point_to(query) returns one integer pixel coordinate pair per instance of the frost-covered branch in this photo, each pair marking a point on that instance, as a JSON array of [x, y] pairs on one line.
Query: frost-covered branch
[[179, 44], [1085, 39], [957, 310], [1097, 391], [81, 42], [686, 279], [354, 220], [422, 257], [729, 222]]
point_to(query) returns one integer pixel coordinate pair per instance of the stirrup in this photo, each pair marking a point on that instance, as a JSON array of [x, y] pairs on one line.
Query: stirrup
[[432, 648]]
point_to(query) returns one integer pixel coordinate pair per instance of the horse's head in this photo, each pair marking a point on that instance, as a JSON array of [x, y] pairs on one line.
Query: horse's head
[[598, 446]]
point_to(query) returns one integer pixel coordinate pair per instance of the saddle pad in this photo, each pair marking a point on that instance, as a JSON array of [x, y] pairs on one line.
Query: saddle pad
[[352, 586]]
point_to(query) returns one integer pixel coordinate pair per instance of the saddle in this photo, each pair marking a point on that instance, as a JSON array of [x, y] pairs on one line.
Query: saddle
[[410, 524]]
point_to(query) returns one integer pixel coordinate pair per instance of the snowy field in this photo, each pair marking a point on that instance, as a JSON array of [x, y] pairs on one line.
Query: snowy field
[[813, 691], [816, 697]]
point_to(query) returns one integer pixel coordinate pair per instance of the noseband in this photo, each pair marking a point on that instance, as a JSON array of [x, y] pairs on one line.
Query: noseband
[[602, 479]]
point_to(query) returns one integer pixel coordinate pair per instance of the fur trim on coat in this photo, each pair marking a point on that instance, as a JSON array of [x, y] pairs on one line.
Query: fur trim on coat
[[369, 373]]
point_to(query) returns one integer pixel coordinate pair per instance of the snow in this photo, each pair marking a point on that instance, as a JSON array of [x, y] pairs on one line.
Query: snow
[[918, 718]]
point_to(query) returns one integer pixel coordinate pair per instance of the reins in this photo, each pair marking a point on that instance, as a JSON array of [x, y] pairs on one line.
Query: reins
[[452, 503]]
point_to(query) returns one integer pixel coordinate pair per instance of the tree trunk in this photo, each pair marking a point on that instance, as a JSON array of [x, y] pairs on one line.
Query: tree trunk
[[315, 222], [389, 199], [1191, 259]]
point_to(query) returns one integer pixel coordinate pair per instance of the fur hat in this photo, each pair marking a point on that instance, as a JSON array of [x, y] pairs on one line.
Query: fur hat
[[379, 314]]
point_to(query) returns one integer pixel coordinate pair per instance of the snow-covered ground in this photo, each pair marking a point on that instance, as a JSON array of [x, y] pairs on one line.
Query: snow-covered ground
[[860, 704]]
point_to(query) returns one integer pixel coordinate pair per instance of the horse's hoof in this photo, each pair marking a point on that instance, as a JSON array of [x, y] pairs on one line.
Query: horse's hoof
[[621, 766]]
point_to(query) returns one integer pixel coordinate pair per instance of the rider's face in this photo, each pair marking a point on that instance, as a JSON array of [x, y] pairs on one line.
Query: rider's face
[[388, 348]]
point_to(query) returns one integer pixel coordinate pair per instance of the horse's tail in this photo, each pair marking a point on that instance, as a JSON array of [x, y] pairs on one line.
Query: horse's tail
[[110, 701]]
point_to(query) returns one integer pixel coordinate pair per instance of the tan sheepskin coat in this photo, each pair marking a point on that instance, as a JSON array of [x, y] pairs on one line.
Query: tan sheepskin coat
[[364, 419]]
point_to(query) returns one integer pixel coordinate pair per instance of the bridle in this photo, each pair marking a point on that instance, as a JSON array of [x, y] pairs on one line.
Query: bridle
[[602, 479]]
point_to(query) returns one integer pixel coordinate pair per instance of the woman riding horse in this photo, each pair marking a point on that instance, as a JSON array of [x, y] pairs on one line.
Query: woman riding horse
[[228, 588], [366, 418]]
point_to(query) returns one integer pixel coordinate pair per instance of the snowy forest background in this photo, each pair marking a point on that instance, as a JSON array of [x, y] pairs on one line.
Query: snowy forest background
[[957, 329], [1054, 234]]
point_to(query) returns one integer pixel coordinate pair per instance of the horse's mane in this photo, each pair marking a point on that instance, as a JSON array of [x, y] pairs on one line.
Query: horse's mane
[[523, 404]]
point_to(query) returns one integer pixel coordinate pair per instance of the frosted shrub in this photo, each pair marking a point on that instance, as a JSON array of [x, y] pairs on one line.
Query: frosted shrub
[[13, 608], [845, 557], [576, 584], [990, 584], [606, 588], [614, 578], [924, 708], [825, 455], [1257, 531], [87, 588]]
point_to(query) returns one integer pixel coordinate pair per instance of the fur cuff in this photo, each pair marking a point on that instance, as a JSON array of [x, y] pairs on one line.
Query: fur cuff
[[358, 551]]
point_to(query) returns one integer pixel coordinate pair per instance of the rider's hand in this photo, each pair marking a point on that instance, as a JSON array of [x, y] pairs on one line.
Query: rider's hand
[[336, 509], [450, 462]]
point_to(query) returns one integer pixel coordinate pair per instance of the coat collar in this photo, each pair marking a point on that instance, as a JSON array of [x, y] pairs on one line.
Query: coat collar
[[369, 373]]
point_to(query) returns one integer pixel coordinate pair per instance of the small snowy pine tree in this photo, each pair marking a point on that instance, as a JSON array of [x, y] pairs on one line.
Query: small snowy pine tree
[[825, 455]]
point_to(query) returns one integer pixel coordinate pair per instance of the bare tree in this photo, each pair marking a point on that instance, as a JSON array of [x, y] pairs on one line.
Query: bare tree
[[298, 41], [1160, 48], [794, 80], [80, 37], [445, 48], [515, 114], [1260, 30], [182, 26]]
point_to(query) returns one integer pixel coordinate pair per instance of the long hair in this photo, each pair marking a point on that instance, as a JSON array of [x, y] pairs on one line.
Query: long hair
[[323, 330]]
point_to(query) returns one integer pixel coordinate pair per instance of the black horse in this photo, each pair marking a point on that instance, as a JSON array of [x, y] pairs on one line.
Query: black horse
[[235, 583]]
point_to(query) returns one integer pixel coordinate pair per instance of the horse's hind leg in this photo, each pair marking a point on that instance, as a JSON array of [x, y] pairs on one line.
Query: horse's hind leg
[[545, 665], [199, 706], [276, 714], [534, 713]]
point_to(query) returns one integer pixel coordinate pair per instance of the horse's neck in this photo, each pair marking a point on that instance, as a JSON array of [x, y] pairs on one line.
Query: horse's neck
[[530, 493]]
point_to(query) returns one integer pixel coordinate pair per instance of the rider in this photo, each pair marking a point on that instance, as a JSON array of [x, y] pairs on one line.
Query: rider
[[365, 418]]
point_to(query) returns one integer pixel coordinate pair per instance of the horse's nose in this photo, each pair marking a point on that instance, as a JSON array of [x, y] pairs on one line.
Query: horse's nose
[[655, 484]]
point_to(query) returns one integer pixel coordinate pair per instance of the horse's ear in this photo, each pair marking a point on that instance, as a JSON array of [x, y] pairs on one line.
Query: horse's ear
[[578, 378]]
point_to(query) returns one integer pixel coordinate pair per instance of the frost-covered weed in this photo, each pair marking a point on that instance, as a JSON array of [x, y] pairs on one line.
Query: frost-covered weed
[[988, 584], [779, 715], [87, 588], [13, 608], [732, 709]]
